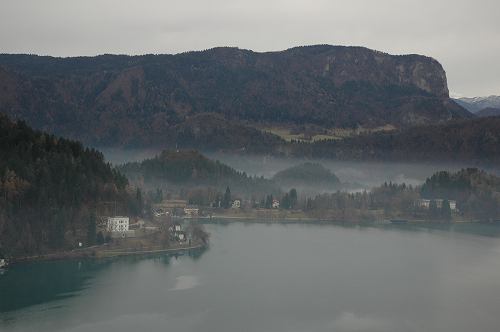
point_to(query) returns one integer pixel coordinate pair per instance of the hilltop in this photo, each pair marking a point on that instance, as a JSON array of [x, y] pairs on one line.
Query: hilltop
[[308, 175], [153, 100], [185, 169]]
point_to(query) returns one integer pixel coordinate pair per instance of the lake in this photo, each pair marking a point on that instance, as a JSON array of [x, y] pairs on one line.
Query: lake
[[273, 277]]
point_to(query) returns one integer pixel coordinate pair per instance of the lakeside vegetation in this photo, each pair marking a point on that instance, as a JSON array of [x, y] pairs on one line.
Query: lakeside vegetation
[[470, 194], [476, 193], [50, 189]]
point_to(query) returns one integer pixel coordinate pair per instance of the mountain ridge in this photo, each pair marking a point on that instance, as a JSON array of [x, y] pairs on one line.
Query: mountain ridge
[[476, 104], [119, 100]]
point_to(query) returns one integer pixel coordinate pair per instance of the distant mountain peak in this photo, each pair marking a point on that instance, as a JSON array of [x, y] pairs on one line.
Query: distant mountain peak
[[476, 104]]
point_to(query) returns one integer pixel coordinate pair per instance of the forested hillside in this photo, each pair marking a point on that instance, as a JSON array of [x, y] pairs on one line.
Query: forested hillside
[[308, 175], [471, 140], [117, 100], [477, 193], [51, 189], [188, 168]]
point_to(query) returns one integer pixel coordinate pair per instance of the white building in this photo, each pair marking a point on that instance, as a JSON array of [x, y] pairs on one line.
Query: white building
[[423, 203], [426, 203], [191, 212], [276, 204], [118, 224], [439, 203], [236, 204]]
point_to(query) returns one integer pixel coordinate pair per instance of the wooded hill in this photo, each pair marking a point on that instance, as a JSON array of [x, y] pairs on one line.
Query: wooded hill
[[51, 189], [308, 175], [189, 168]]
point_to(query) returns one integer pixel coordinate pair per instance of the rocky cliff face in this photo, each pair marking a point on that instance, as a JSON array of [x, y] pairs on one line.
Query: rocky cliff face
[[130, 100]]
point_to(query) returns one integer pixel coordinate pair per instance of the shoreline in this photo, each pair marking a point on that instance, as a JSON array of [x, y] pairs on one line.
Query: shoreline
[[284, 220], [92, 253]]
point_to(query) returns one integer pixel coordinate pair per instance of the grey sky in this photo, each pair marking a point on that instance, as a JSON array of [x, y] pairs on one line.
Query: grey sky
[[463, 35]]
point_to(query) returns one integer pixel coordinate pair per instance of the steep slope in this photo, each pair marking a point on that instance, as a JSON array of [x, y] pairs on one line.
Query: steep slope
[[49, 187], [465, 140], [140, 100]]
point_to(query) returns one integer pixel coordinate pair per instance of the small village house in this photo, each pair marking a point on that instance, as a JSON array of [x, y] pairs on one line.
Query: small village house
[[174, 207], [425, 204], [177, 233], [119, 227], [236, 204], [118, 224], [276, 204], [191, 211]]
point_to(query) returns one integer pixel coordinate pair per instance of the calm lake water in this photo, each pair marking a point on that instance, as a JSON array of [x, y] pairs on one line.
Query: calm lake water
[[259, 277]]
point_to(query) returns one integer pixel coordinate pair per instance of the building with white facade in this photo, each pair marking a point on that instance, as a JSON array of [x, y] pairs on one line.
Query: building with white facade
[[276, 204], [191, 212], [426, 203], [118, 224], [236, 204]]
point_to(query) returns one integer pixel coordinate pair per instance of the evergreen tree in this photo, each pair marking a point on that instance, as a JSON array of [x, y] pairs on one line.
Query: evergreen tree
[[446, 210], [100, 238], [293, 198], [226, 202], [433, 210], [269, 201], [285, 201], [139, 202], [91, 230]]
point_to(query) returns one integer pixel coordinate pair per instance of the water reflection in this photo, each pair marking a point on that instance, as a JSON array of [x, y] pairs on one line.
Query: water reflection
[[275, 277], [29, 284]]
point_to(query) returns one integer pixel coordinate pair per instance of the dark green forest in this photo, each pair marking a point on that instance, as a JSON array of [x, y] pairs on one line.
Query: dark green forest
[[477, 196], [464, 140], [51, 190], [189, 168], [307, 175], [150, 100]]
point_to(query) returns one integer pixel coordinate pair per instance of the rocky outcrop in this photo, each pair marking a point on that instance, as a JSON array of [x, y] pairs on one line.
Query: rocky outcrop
[[134, 100]]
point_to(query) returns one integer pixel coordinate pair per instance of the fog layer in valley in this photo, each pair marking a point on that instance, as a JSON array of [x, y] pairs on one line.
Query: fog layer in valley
[[355, 174]]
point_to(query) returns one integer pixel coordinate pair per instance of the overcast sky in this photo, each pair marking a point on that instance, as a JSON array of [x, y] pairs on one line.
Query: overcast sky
[[464, 35]]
